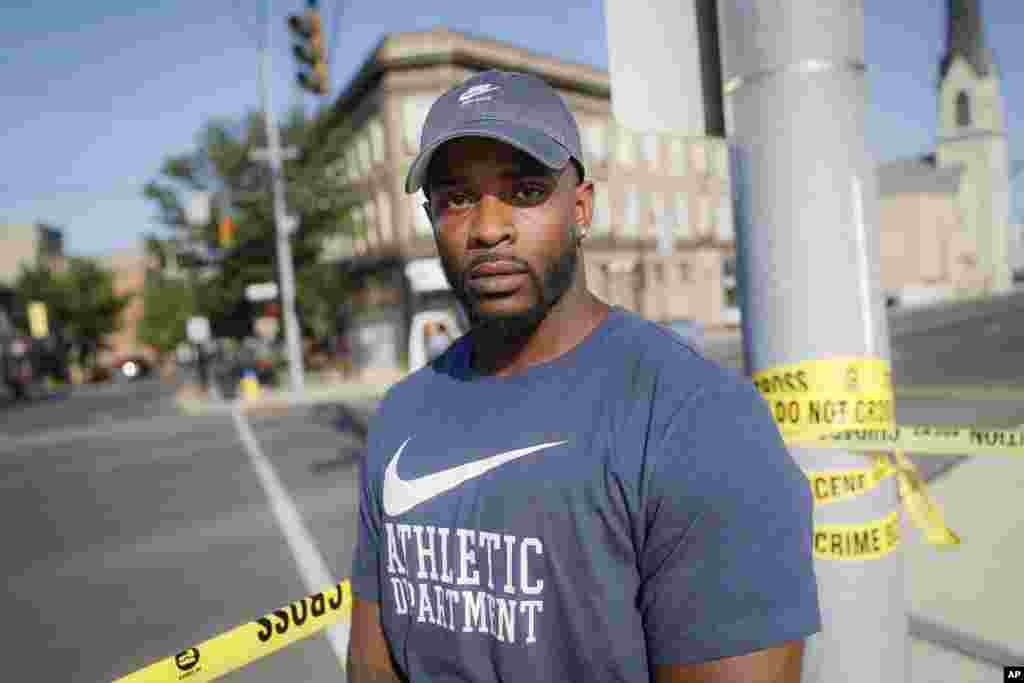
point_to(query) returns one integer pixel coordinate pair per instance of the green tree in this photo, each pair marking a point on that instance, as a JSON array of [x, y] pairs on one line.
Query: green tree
[[222, 166], [168, 304], [38, 283], [80, 302]]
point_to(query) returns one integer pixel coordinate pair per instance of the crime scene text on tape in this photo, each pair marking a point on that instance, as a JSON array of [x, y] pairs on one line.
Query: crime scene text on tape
[[830, 486], [848, 403], [248, 642], [867, 541]]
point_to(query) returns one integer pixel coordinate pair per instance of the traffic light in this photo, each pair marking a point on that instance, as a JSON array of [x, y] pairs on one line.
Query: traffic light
[[226, 232], [309, 50]]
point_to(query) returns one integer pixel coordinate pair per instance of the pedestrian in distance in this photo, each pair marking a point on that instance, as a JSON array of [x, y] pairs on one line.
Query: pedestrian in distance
[[436, 339], [570, 492]]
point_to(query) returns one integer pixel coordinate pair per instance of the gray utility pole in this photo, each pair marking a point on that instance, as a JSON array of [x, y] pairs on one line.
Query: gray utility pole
[[807, 247], [284, 225]]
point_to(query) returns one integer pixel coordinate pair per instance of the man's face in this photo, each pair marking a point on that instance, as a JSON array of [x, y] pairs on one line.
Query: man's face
[[492, 204]]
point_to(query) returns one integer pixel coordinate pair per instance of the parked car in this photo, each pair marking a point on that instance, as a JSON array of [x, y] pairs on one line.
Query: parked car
[[20, 367]]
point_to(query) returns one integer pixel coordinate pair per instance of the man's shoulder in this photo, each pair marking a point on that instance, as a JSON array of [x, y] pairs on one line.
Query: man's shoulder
[[680, 368]]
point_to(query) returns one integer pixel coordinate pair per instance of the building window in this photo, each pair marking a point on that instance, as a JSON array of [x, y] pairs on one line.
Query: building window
[[602, 219], [649, 143], [663, 222], [729, 291], [963, 109], [677, 150], [705, 215], [384, 216], [414, 115], [682, 216], [377, 140], [719, 158], [699, 157], [624, 149], [631, 212], [365, 153], [594, 142], [724, 228]]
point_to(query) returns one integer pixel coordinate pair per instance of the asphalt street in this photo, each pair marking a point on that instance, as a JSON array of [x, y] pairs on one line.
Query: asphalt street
[[131, 537], [134, 532]]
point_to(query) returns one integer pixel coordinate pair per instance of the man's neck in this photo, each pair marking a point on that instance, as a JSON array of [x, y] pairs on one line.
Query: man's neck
[[558, 333]]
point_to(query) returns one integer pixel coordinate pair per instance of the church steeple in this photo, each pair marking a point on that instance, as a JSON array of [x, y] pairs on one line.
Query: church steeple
[[965, 36]]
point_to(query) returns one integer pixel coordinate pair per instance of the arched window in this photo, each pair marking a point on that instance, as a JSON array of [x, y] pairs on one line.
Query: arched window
[[963, 109]]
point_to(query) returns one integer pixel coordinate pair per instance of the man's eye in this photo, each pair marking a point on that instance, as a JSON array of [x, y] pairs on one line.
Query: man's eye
[[529, 193], [457, 200]]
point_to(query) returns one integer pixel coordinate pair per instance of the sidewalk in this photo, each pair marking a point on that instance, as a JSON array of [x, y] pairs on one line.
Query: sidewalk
[[317, 390]]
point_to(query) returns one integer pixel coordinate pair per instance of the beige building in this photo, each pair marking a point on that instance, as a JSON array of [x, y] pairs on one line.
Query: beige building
[[662, 239], [945, 219], [28, 245], [926, 253]]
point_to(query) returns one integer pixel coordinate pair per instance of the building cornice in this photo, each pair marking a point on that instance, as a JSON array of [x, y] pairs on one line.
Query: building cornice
[[973, 135], [442, 47]]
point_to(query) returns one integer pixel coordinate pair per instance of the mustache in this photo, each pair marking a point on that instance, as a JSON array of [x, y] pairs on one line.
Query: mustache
[[495, 258]]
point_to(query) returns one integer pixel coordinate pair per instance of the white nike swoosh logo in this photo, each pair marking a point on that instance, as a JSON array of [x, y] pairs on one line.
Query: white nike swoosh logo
[[403, 495]]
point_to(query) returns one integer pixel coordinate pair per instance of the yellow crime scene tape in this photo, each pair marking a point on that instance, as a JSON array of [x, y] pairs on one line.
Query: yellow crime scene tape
[[848, 403], [244, 644], [844, 402]]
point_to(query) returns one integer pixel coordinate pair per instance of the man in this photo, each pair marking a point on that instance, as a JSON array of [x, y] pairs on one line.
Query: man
[[570, 492]]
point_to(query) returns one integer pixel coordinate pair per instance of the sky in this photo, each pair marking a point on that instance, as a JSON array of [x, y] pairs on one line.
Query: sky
[[97, 94]]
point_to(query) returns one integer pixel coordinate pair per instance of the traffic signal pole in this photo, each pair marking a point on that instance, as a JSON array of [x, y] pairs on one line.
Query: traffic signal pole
[[284, 225], [807, 247]]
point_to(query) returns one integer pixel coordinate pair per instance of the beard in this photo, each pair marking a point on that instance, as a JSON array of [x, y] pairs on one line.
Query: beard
[[550, 287]]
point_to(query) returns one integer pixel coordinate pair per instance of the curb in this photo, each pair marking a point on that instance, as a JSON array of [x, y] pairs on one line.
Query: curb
[[279, 401]]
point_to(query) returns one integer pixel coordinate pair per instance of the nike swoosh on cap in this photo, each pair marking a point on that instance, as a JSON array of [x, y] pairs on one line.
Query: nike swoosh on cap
[[401, 495]]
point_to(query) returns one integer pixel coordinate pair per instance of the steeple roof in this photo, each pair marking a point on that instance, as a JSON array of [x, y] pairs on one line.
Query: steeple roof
[[965, 36]]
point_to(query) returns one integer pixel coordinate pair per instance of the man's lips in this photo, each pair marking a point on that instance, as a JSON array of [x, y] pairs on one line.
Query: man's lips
[[496, 268]]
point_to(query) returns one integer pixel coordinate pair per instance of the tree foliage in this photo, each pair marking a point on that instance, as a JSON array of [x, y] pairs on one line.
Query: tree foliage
[[168, 304], [222, 166], [81, 303]]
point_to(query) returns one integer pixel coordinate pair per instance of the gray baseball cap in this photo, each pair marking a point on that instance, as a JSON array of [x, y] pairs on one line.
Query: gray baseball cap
[[516, 108]]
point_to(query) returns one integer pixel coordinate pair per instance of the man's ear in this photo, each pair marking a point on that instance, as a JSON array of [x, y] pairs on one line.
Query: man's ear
[[583, 208]]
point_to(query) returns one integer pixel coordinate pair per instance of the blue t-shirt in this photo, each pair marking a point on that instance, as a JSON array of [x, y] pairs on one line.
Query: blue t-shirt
[[627, 504]]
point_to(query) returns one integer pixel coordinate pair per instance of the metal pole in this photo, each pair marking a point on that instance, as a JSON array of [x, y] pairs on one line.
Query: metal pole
[[807, 247], [654, 61], [283, 223]]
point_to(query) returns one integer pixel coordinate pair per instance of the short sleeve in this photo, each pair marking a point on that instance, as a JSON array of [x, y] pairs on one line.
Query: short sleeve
[[726, 566], [366, 559]]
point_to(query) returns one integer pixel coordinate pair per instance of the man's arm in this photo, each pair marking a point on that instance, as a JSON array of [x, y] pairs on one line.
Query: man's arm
[[775, 665], [369, 660]]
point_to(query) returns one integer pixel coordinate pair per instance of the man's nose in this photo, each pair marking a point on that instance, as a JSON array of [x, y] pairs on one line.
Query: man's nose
[[493, 222]]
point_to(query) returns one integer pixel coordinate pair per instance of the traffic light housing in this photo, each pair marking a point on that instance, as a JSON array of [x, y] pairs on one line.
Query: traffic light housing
[[309, 49], [226, 232]]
